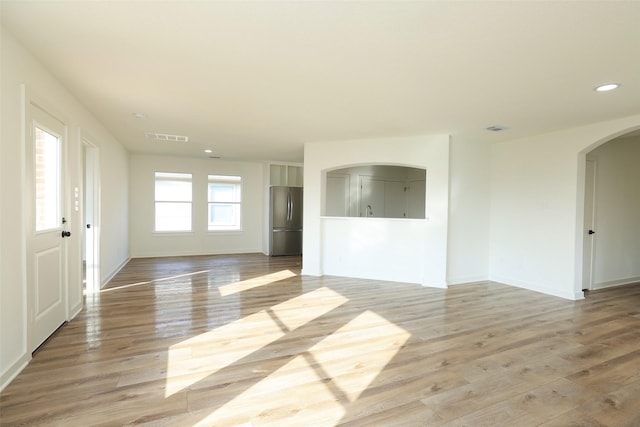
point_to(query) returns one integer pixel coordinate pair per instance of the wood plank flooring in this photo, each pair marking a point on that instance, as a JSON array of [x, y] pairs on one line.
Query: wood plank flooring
[[244, 340]]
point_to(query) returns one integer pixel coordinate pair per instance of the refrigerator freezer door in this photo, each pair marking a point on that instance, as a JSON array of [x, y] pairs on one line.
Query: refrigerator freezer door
[[286, 242]]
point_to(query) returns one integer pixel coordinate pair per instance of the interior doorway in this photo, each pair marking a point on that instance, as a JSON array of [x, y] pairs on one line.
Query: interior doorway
[[610, 210], [91, 218]]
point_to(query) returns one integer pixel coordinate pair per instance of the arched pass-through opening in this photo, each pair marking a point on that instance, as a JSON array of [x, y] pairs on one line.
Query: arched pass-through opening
[[374, 191], [411, 250], [374, 221]]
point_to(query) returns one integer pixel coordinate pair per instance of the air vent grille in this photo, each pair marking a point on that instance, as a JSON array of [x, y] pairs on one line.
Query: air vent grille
[[496, 128], [166, 137]]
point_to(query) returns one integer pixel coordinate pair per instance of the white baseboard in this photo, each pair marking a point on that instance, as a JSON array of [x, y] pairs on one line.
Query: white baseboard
[[613, 283], [561, 293], [434, 285], [309, 272], [10, 373], [114, 272], [196, 253], [75, 311], [466, 280]]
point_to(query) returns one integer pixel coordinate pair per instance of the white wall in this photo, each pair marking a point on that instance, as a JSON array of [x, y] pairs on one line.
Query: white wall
[[380, 249], [327, 248], [617, 213], [469, 204], [114, 205], [13, 293], [19, 68], [537, 214], [146, 243]]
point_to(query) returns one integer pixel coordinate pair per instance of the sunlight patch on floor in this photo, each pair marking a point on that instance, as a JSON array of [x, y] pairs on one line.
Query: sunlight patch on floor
[[282, 398], [322, 380], [381, 341], [244, 285], [299, 311], [163, 279], [196, 358]]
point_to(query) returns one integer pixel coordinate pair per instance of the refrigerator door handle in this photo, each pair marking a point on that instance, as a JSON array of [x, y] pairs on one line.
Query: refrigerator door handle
[[289, 207]]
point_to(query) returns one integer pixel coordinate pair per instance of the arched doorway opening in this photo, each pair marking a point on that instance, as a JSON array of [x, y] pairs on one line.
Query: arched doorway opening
[[611, 205]]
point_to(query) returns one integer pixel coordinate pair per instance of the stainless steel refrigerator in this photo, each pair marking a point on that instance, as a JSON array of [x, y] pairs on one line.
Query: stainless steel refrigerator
[[285, 221]]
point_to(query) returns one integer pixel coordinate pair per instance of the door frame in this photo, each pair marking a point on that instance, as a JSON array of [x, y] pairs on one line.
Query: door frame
[[589, 240], [91, 213]]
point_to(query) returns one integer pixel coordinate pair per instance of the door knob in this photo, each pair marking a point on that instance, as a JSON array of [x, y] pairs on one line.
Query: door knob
[[66, 234], [592, 232]]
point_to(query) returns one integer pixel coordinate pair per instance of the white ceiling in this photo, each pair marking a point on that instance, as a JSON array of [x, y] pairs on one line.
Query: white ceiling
[[256, 80]]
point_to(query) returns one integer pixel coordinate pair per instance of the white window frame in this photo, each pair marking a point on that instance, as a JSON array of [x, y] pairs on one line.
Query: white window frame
[[48, 188], [235, 202], [185, 199]]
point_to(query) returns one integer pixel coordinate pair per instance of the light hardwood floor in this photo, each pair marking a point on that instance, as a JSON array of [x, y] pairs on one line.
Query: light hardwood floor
[[245, 340]]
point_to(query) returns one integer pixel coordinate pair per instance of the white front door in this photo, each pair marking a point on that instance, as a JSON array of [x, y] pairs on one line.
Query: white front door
[[45, 228]]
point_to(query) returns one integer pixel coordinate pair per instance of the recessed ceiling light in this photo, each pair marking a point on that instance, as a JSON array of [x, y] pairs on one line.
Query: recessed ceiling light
[[208, 151], [607, 87], [139, 115]]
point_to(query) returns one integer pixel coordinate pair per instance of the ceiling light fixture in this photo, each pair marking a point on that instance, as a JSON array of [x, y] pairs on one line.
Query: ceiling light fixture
[[496, 128], [139, 115], [607, 87], [208, 151]]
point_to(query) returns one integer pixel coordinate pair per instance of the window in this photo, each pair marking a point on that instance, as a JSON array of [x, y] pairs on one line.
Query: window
[[47, 178], [224, 202], [173, 201]]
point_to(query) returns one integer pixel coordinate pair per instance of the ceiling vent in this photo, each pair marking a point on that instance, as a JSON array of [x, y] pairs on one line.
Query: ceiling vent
[[496, 128], [166, 137]]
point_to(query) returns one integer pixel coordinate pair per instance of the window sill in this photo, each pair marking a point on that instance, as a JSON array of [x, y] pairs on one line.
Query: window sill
[[173, 233]]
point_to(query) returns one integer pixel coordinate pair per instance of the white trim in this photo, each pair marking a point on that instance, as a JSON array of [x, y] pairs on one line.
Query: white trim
[[467, 280], [90, 153], [306, 272], [614, 283], [26, 310], [432, 285], [107, 279], [197, 253], [561, 293], [14, 370]]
